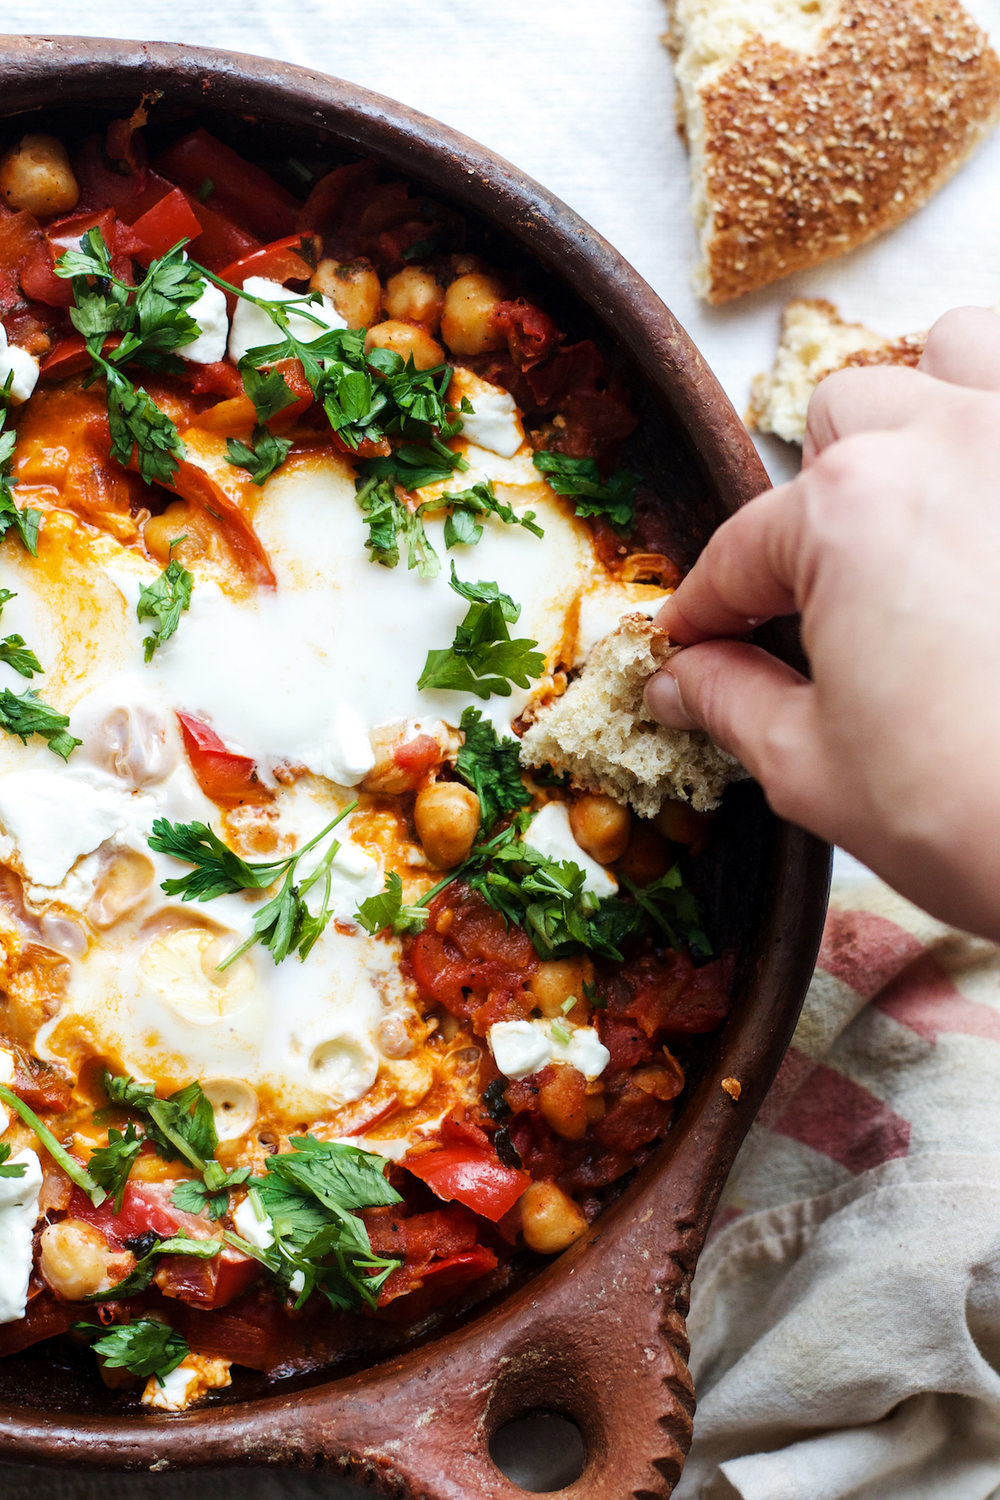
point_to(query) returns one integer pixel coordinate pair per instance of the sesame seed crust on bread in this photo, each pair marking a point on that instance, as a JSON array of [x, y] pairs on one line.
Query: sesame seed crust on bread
[[600, 734], [815, 340], [815, 126]]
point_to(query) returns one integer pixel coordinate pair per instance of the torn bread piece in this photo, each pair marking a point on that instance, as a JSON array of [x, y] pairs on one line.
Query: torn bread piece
[[815, 126], [815, 340], [600, 734]]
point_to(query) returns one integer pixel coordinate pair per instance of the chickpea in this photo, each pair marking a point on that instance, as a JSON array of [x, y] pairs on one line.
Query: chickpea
[[415, 296], [563, 1103], [601, 826], [647, 856], [467, 319], [555, 981], [679, 823], [36, 175], [175, 521], [353, 287], [446, 815], [550, 1220], [406, 339], [77, 1260]]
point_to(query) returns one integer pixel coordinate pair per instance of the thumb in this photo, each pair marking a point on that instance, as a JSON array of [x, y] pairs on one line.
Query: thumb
[[758, 709]]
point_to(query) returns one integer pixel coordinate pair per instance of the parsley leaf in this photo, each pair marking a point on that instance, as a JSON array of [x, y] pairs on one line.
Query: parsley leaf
[[196, 1197], [110, 1165], [491, 767], [283, 924], [311, 1195], [182, 1125], [25, 522], [145, 1347], [260, 461], [390, 521], [137, 424], [268, 391], [461, 526], [672, 907], [413, 465], [367, 396], [218, 870], [547, 898], [578, 478], [153, 321], [387, 909], [25, 714], [141, 1274], [16, 654], [482, 659], [163, 602], [10, 1168]]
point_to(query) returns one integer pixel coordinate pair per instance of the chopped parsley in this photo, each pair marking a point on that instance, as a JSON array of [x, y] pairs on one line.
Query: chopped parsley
[[391, 523], [265, 453], [285, 923], [153, 321], [482, 659], [196, 1197], [413, 465], [491, 767], [311, 1194], [181, 1126], [26, 714], [578, 479], [268, 391], [16, 654], [388, 910], [74, 1171], [368, 397], [110, 1165], [144, 1347], [25, 522], [164, 601], [10, 1168], [462, 526]]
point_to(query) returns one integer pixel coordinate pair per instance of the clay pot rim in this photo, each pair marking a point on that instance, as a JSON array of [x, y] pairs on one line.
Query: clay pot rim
[[334, 1417]]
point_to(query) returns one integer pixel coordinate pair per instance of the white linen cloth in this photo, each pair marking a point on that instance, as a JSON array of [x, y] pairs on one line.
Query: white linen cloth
[[845, 1320], [846, 1326]]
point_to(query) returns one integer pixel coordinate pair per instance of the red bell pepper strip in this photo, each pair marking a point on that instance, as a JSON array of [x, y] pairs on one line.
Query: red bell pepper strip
[[476, 1178], [291, 259], [244, 193], [162, 226], [322, 208], [199, 488], [70, 356], [222, 774]]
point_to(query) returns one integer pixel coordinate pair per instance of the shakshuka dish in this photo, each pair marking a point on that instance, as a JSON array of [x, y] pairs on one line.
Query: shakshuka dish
[[320, 1014]]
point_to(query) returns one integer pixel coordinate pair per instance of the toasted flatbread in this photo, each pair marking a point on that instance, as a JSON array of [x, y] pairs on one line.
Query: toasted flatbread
[[600, 734], [814, 127]]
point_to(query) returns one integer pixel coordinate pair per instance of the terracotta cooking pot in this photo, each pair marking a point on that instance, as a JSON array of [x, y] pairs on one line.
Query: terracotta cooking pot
[[598, 1336]]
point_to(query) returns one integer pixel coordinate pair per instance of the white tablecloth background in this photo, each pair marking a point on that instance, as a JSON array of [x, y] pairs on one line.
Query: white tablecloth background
[[579, 94]]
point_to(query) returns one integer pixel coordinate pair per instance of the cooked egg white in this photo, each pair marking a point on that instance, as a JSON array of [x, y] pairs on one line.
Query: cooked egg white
[[299, 676]]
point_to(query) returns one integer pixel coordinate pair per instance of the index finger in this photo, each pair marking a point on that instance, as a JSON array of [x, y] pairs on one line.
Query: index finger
[[745, 575]]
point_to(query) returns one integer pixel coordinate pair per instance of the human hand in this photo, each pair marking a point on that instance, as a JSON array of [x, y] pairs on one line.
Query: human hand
[[888, 546]]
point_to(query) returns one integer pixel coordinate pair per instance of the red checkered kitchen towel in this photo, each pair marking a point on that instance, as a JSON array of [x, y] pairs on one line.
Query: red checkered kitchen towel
[[845, 1318]]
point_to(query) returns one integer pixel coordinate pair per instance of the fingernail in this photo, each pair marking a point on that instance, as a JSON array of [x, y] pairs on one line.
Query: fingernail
[[664, 701]]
